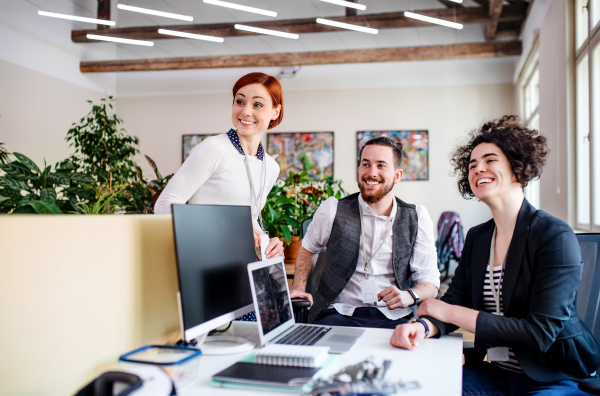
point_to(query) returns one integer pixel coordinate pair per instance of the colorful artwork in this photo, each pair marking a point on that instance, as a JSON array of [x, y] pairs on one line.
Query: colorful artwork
[[191, 141], [304, 151], [415, 150]]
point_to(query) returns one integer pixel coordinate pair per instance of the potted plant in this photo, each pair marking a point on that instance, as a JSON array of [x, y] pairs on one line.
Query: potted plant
[[291, 202]]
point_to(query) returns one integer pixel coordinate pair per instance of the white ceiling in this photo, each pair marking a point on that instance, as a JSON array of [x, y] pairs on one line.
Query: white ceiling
[[57, 55]]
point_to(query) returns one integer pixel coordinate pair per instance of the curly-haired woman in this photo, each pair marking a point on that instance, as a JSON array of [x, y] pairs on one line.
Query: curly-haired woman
[[516, 285]]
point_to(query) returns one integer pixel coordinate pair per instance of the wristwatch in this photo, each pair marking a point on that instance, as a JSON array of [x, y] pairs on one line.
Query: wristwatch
[[417, 319], [414, 295]]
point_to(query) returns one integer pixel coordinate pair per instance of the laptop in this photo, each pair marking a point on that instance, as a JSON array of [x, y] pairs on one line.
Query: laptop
[[275, 317]]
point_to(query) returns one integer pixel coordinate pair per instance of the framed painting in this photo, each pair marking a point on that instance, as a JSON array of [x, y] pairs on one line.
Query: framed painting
[[415, 150], [302, 151], [191, 141]]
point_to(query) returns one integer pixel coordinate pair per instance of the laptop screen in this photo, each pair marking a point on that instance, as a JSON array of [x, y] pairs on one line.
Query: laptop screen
[[270, 285]]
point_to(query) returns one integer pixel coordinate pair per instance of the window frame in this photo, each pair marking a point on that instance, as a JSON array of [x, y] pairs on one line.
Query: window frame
[[591, 43]]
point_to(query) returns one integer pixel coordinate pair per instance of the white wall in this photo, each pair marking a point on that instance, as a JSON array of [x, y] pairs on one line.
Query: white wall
[[448, 112], [37, 110]]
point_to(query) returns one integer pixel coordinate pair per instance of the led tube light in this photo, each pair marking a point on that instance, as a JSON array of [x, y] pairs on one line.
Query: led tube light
[[266, 31], [457, 1], [77, 18], [120, 40], [347, 26], [433, 20], [241, 7], [349, 4], [154, 12], [191, 35]]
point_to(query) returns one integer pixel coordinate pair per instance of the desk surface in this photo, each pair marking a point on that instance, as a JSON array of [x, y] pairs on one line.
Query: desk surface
[[436, 364]]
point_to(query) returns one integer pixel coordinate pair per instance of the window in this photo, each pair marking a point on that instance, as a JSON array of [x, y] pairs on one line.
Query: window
[[529, 85], [587, 114]]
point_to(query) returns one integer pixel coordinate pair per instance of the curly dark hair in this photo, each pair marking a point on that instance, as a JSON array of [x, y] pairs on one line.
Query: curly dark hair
[[525, 149]]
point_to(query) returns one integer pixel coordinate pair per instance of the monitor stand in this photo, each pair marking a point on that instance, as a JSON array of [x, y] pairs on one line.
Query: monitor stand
[[223, 345]]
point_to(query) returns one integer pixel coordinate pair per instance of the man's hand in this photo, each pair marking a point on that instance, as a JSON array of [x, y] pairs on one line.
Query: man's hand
[[435, 308], [395, 298], [408, 335], [301, 294], [275, 248]]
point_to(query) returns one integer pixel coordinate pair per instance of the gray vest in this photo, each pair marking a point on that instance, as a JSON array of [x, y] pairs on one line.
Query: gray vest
[[344, 246]]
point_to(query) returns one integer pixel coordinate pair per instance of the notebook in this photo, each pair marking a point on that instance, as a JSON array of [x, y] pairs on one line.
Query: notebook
[[275, 317], [260, 374], [292, 355]]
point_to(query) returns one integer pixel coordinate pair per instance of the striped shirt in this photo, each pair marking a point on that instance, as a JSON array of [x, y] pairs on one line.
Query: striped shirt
[[489, 305]]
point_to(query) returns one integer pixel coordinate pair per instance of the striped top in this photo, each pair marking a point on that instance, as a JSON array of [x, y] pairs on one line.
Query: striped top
[[489, 305]]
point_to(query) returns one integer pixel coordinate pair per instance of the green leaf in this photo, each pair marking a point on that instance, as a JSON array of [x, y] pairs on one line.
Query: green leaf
[[13, 184], [41, 207], [82, 178], [27, 162], [59, 178], [48, 194], [24, 209], [17, 170], [338, 195], [286, 234]]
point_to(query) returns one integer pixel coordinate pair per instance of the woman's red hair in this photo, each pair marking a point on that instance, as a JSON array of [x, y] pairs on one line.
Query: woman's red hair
[[271, 84]]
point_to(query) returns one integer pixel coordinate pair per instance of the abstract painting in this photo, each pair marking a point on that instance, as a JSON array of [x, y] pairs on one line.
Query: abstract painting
[[302, 151], [191, 141], [415, 150]]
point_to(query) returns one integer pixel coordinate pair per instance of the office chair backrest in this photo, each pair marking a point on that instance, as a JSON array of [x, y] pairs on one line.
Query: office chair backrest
[[315, 275], [588, 292]]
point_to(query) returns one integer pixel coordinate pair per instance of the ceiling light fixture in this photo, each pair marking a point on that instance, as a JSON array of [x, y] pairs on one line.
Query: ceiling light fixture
[[347, 26], [349, 4], [154, 12], [266, 31], [457, 1], [191, 35], [77, 18], [241, 7], [120, 40], [433, 20]]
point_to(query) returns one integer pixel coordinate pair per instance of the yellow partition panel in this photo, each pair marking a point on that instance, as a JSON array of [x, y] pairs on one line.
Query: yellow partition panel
[[76, 292]]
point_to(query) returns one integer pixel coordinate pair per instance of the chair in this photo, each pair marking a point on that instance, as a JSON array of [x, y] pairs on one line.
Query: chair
[[450, 241], [588, 296], [300, 305]]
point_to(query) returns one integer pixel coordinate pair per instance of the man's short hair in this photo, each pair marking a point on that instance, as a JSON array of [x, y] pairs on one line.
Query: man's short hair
[[386, 142]]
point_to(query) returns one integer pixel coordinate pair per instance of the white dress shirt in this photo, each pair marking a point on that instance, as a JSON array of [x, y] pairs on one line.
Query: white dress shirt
[[423, 262]]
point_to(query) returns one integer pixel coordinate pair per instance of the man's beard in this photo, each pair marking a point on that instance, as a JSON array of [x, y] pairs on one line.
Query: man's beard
[[378, 195]]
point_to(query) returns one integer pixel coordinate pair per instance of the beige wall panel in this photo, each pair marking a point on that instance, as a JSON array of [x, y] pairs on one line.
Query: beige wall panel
[[78, 291]]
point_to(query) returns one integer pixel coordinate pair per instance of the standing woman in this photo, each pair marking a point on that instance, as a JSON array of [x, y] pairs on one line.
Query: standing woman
[[516, 285], [233, 168]]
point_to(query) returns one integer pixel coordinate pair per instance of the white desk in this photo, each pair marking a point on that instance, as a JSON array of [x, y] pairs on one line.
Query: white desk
[[435, 364]]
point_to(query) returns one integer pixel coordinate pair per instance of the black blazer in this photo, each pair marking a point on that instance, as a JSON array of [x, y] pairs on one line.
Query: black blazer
[[539, 292]]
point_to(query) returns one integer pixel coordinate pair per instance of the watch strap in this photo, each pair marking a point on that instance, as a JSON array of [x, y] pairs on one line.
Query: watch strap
[[414, 296], [417, 319]]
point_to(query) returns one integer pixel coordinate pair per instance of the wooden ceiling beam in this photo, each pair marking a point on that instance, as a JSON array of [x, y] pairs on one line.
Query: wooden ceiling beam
[[491, 26], [457, 51], [378, 21], [103, 12], [351, 11]]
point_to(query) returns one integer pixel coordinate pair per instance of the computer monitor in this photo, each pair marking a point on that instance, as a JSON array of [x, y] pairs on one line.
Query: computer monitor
[[214, 245]]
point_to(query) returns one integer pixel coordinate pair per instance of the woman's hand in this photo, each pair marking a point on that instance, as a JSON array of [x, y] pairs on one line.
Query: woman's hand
[[435, 308], [408, 335], [275, 248], [256, 235]]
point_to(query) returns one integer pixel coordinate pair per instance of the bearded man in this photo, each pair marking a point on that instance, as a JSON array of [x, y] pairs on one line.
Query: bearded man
[[381, 257]]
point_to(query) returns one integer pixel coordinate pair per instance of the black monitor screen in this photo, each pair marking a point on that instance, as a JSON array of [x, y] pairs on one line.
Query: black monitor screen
[[214, 245]]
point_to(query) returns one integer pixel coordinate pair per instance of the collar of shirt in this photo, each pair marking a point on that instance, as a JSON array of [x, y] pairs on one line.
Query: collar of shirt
[[235, 140], [368, 211]]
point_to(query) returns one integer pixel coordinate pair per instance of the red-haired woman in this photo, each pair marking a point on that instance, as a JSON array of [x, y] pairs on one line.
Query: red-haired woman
[[233, 168]]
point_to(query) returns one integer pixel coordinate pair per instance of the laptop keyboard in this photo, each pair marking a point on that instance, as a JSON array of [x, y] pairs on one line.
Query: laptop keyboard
[[304, 335]]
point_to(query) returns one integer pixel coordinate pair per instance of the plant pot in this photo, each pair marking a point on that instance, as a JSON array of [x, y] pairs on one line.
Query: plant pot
[[291, 252]]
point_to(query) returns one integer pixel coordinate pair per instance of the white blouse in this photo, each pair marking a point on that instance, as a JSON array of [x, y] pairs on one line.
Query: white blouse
[[215, 174]]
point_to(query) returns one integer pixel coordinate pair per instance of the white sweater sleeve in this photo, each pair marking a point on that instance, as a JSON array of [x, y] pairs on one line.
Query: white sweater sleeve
[[194, 172]]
